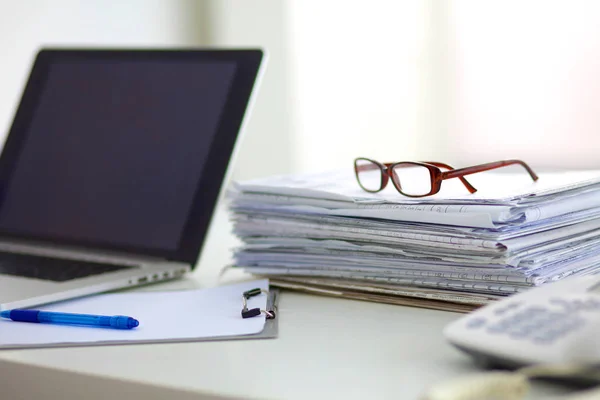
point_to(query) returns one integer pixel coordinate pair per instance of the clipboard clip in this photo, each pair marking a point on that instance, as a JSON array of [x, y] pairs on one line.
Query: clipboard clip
[[253, 312]]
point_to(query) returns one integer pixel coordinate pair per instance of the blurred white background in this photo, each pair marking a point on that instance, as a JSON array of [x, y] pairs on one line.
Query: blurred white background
[[461, 82]]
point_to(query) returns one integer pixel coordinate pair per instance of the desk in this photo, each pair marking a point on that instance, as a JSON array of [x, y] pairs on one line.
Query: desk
[[327, 348]]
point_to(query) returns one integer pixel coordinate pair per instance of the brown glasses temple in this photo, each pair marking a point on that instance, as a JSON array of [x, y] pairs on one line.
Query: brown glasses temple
[[458, 173], [465, 182]]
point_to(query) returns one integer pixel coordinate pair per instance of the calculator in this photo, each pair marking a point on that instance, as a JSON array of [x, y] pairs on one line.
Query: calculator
[[558, 322]]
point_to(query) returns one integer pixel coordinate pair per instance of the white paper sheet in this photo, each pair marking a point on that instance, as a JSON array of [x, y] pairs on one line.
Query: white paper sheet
[[163, 316]]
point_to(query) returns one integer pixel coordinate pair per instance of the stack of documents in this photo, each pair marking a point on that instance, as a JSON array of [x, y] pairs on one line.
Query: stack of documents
[[323, 233]]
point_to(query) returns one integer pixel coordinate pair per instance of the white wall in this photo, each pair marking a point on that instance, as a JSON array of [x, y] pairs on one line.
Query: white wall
[[345, 78], [463, 82], [526, 82], [25, 26], [266, 146], [357, 80]]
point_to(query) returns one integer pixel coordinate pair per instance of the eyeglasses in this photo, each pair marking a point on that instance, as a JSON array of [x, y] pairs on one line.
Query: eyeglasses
[[419, 179]]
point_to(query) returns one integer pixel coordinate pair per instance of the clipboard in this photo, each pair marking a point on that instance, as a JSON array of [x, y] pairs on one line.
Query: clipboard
[[212, 314]]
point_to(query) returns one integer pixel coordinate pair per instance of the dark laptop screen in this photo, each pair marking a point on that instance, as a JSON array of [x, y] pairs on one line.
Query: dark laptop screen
[[114, 151]]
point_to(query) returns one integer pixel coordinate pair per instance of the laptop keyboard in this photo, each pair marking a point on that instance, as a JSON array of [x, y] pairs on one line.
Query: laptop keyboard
[[52, 269]]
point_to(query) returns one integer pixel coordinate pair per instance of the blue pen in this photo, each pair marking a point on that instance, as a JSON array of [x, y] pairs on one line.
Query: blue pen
[[116, 321]]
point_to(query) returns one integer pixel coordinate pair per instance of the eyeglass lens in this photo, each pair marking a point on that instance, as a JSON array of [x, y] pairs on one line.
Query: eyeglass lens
[[412, 179], [369, 174]]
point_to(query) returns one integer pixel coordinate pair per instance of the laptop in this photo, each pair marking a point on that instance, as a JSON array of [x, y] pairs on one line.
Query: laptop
[[113, 165]]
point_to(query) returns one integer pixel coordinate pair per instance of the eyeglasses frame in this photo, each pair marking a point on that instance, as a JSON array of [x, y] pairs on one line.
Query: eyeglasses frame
[[435, 173]]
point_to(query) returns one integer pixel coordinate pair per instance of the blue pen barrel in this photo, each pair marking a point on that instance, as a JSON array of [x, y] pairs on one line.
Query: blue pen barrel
[[116, 321]]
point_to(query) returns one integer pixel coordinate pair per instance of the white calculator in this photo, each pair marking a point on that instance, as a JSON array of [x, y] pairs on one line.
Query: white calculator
[[555, 323]]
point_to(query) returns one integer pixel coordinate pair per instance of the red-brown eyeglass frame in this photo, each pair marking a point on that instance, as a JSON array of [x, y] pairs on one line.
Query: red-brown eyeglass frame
[[435, 173]]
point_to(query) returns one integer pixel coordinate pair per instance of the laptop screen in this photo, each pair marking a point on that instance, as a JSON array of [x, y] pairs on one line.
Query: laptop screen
[[114, 150]]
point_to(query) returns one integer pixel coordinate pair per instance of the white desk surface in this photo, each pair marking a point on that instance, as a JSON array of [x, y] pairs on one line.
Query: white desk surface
[[327, 348]]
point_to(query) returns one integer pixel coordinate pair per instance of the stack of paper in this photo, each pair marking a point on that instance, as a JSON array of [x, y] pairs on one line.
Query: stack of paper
[[324, 233]]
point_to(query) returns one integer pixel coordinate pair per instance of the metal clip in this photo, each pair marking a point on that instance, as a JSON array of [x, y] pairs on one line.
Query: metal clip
[[253, 312]]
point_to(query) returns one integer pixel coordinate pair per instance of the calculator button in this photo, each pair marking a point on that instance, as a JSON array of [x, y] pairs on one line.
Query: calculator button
[[498, 328], [555, 316], [577, 304], [520, 317], [550, 332], [591, 304], [545, 338], [507, 307], [476, 322], [522, 331], [535, 310], [561, 302], [500, 311]]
